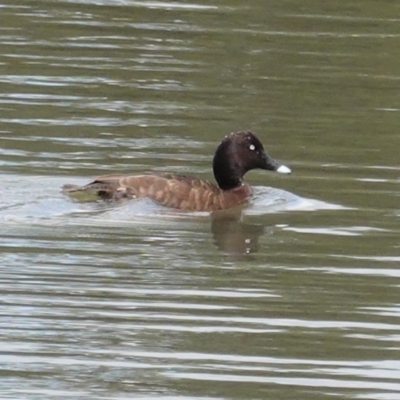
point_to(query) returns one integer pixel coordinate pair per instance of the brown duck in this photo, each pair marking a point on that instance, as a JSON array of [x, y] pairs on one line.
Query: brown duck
[[237, 154]]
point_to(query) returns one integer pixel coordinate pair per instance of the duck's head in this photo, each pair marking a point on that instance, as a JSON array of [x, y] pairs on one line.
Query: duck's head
[[239, 153]]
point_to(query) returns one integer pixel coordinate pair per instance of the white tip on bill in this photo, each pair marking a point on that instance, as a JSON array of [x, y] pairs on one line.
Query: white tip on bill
[[283, 169]]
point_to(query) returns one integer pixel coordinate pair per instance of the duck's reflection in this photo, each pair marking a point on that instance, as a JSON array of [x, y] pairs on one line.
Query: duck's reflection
[[234, 236]]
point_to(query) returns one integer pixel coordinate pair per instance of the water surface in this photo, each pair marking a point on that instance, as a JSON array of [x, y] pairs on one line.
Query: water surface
[[295, 295]]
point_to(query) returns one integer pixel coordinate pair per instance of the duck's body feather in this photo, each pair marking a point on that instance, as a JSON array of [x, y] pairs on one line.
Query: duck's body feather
[[170, 190]]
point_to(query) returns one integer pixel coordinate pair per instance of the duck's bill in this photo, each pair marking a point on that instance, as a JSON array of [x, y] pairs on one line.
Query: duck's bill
[[272, 165]]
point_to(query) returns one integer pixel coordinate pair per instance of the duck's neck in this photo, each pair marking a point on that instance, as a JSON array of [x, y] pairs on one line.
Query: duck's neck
[[225, 172]]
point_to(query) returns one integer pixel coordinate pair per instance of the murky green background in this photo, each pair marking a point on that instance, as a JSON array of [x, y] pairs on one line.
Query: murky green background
[[297, 297]]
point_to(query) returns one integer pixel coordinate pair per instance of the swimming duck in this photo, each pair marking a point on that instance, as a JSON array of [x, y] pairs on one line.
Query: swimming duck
[[237, 154]]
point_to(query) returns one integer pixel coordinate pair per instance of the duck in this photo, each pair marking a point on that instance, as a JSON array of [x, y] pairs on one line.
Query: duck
[[238, 153]]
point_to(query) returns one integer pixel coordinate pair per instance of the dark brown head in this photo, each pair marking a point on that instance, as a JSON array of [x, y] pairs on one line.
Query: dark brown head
[[239, 153]]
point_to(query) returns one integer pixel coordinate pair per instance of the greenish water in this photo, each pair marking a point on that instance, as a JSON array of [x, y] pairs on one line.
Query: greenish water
[[294, 296]]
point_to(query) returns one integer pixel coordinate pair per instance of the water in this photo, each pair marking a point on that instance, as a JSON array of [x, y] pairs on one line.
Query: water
[[293, 296]]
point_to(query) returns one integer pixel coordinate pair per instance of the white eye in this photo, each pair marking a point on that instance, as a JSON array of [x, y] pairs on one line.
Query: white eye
[[252, 147]]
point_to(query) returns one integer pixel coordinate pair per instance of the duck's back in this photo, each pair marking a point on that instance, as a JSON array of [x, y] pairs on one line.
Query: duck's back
[[171, 190]]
